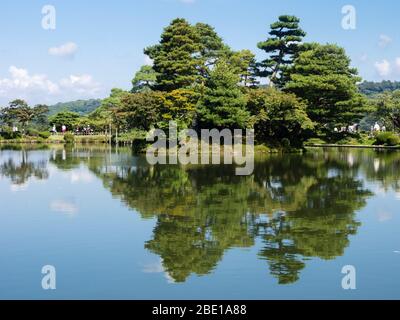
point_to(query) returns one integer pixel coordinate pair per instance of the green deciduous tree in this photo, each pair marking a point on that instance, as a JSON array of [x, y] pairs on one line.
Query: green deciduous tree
[[142, 110], [277, 115], [388, 109], [64, 118], [19, 111], [180, 106], [286, 35], [112, 108]]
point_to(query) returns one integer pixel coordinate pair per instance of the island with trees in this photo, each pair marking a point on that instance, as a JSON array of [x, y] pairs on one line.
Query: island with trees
[[299, 94]]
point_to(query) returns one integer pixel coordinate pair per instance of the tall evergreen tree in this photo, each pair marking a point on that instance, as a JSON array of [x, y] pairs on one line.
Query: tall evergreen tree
[[244, 63], [286, 35], [223, 104], [323, 77], [211, 48], [174, 57]]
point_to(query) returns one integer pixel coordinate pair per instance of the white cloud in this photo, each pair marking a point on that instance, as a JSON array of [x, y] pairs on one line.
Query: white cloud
[[37, 88], [384, 40], [81, 177], [66, 50], [383, 68], [82, 84], [21, 84]]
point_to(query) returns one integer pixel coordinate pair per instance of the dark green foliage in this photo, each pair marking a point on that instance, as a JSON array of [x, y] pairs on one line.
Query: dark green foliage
[[244, 64], [223, 104], [142, 110], [64, 118], [371, 88], [286, 35], [174, 57], [185, 55], [322, 76], [8, 134], [19, 112], [211, 48], [279, 118], [69, 138]]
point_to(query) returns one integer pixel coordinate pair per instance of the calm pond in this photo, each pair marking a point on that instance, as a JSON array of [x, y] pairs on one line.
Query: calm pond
[[115, 227]]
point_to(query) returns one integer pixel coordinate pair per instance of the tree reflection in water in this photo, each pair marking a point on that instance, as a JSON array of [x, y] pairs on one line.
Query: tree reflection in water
[[20, 168], [299, 206]]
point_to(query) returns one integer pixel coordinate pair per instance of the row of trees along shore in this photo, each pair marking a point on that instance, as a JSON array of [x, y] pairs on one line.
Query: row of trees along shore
[[299, 91]]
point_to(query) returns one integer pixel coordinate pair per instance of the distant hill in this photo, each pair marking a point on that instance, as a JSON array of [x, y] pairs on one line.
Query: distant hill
[[83, 107], [370, 88]]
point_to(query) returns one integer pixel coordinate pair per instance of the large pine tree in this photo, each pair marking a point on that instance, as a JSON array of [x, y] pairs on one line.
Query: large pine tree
[[323, 77], [174, 57], [286, 36], [223, 104], [211, 48]]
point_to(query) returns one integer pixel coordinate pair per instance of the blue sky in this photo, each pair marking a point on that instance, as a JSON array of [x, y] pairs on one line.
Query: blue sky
[[98, 45]]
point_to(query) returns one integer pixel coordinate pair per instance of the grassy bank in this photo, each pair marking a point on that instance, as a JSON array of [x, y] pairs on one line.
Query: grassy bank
[[386, 140]]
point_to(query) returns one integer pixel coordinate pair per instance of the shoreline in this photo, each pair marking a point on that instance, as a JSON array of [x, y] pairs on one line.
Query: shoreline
[[355, 146], [262, 148]]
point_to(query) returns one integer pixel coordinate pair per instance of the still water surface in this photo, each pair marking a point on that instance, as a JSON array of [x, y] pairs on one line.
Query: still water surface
[[115, 227]]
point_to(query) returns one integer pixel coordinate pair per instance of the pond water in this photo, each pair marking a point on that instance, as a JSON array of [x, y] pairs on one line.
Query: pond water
[[115, 227]]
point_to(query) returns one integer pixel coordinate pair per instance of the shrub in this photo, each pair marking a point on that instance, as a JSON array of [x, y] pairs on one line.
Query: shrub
[[261, 148], [8, 134], [37, 134], [32, 132], [313, 141], [44, 134], [132, 136], [387, 139], [69, 138]]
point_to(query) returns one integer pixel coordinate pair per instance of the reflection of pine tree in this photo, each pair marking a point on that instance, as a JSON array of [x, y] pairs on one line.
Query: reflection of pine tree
[[319, 227], [185, 247], [202, 211], [281, 253]]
